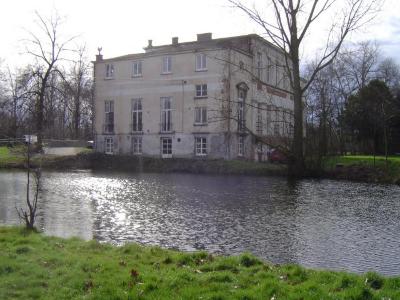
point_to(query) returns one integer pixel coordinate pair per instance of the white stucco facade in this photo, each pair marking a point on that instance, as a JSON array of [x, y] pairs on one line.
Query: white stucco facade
[[197, 99]]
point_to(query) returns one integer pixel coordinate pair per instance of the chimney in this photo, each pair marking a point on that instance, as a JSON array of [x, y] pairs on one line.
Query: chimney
[[99, 57], [202, 37], [150, 44], [175, 41]]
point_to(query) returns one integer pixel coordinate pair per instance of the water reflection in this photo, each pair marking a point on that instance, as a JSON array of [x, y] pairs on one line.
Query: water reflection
[[323, 224]]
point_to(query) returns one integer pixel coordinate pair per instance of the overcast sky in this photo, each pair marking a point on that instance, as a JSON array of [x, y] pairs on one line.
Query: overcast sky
[[122, 27]]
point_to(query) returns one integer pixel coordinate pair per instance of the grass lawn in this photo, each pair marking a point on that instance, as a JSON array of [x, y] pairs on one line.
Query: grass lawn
[[391, 169], [11, 156], [33, 266]]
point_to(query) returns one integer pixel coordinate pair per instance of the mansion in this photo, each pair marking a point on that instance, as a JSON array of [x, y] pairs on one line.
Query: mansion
[[210, 98]]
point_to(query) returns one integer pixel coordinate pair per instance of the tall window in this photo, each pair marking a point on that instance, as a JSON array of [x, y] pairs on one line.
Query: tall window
[[201, 90], [259, 65], [241, 119], [137, 145], [277, 121], [109, 145], [270, 108], [200, 115], [166, 114], [109, 71], [167, 65], [137, 68], [259, 119], [137, 124], [240, 146], [201, 62], [166, 147], [109, 116], [200, 146], [270, 71]]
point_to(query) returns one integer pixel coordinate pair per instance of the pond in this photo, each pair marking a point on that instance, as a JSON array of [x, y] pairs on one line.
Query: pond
[[320, 224]]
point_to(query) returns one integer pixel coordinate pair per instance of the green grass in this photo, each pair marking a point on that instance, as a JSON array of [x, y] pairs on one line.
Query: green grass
[[386, 171], [33, 266], [11, 156]]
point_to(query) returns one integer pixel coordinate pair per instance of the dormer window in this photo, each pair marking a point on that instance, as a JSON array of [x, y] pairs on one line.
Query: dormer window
[[109, 71]]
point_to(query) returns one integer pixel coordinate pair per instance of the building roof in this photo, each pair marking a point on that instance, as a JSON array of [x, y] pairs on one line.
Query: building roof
[[242, 43]]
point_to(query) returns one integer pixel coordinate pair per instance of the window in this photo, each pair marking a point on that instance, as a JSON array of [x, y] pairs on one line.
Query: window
[[259, 65], [166, 114], [259, 119], [137, 69], [137, 124], [167, 65], [109, 116], [240, 146], [109, 145], [166, 147], [200, 115], [201, 90], [270, 71], [201, 62], [276, 129], [242, 91], [109, 71], [270, 108], [137, 145], [200, 146]]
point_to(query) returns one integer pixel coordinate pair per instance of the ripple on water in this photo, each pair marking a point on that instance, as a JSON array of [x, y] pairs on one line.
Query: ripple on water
[[320, 224]]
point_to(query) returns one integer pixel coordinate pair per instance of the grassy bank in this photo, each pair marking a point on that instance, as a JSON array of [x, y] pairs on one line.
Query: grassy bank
[[364, 168], [13, 158], [33, 266]]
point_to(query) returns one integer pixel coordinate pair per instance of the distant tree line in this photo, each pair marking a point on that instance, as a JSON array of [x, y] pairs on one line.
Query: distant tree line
[[52, 96], [353, 106]]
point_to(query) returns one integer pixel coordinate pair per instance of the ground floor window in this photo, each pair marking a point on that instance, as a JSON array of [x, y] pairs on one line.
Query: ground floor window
[[240, 146], [166, 147], [137, 145], [200, 146], [109, 145]]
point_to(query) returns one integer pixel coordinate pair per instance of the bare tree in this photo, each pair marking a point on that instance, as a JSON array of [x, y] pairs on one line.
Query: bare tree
[[47, 49], [29, 215], [293, 20], [78, 88]]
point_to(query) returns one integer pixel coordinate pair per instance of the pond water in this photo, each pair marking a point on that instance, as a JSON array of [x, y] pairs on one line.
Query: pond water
[[320, 224]]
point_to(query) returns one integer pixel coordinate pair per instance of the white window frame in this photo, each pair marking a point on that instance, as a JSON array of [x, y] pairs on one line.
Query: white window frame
[[241, 145], [108, 111], [166, 114], [200, 115], [201, 90], [109, 71], [109, 145], [201, 62], [137, 145], [167, 65], [166, 147], [137, 115], [137, 68], [200, 146]]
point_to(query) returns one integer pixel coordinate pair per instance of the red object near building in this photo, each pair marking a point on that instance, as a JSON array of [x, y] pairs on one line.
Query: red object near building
[[277, 156]]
